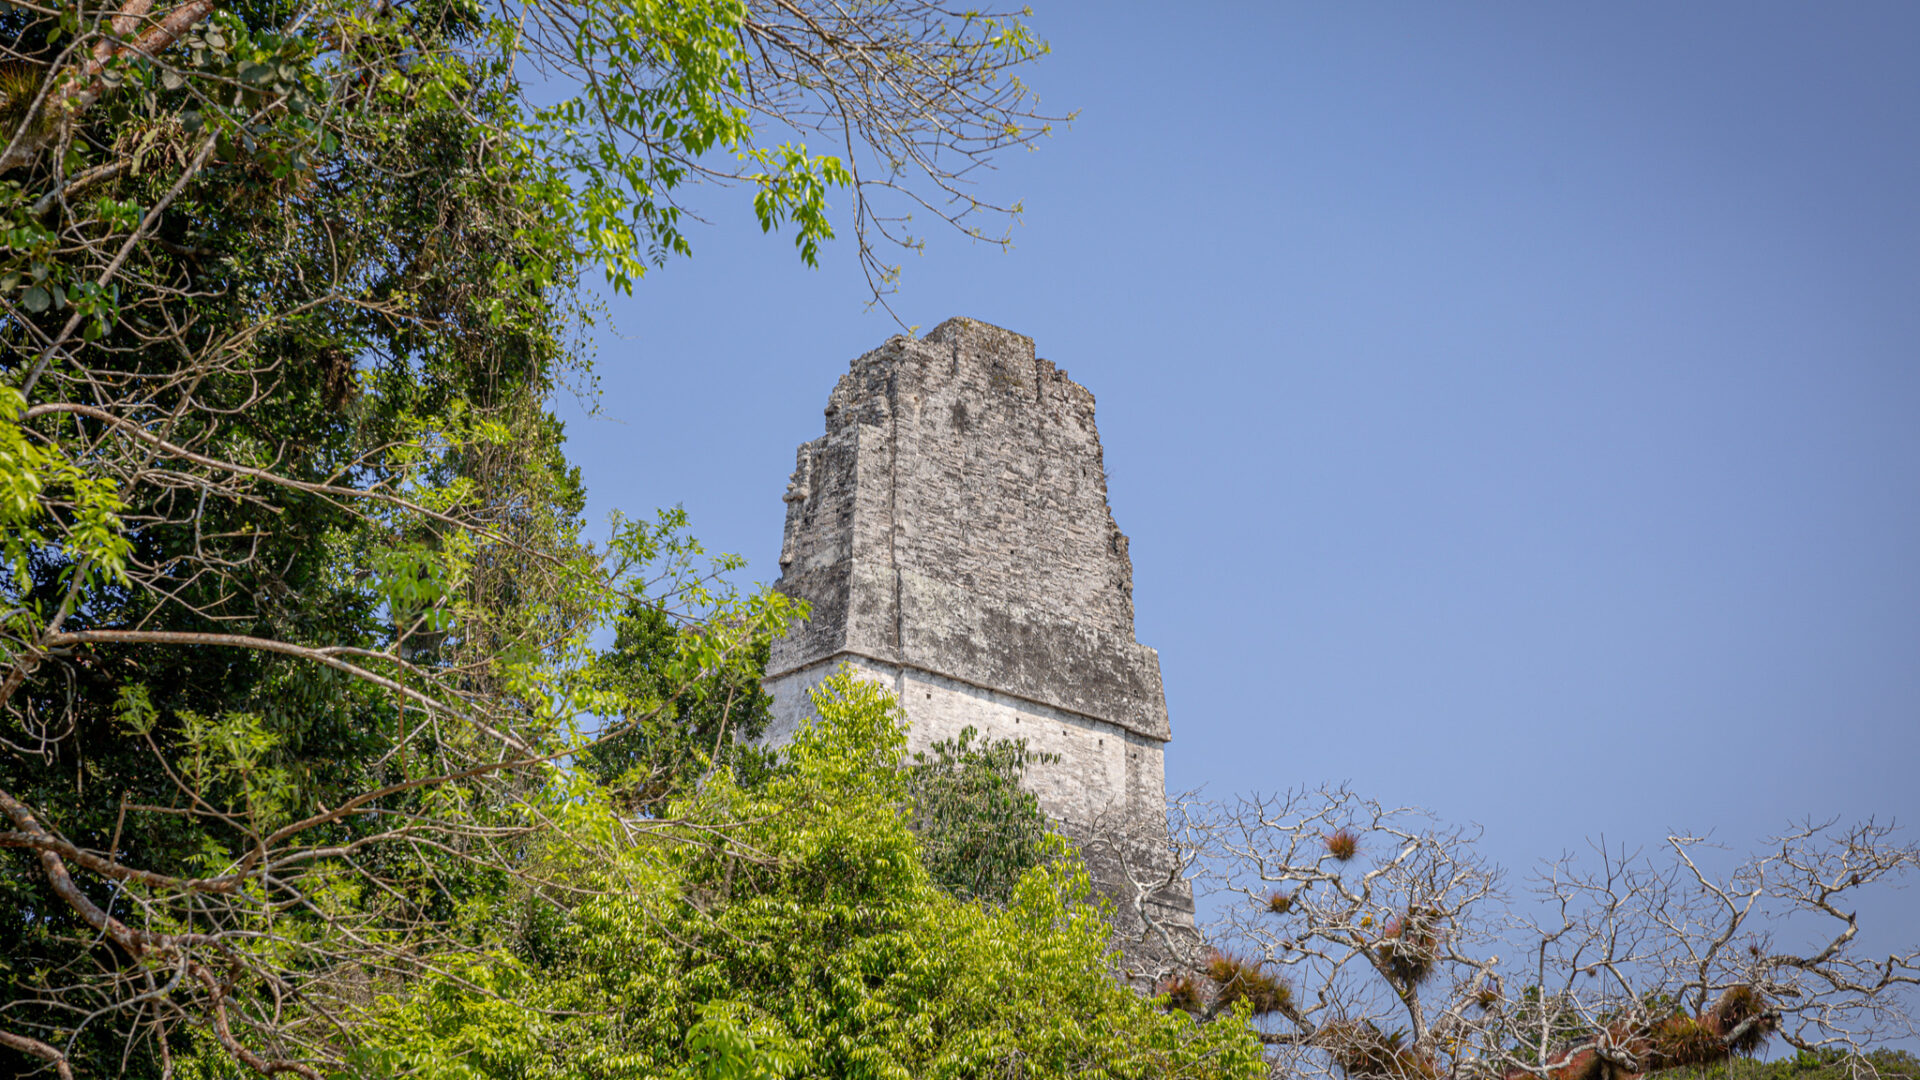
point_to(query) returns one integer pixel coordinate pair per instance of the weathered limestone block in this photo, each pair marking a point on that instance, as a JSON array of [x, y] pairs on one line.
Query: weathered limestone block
[[952, 534]]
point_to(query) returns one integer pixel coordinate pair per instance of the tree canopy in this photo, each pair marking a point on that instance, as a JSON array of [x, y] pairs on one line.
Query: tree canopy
[[792, 929], [298, 614]]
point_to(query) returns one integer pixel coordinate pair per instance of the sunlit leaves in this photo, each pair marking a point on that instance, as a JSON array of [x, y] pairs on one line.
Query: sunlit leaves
[[299, 599], [795, 188], [979, 830], [791, 929], [47, 499]]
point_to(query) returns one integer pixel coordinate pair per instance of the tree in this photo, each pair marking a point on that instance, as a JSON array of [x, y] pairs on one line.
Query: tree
[[1377, 945], [683, 723], [979, 830], [792, 930], [297, 611]]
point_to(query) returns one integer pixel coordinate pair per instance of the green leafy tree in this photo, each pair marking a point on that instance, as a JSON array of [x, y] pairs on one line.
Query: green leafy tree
[[297, 612], [683, 723], [979, 830], [793, 930]]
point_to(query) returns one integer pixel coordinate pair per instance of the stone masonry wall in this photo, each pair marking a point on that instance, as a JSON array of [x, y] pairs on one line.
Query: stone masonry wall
[[951, 532], [954, 517]]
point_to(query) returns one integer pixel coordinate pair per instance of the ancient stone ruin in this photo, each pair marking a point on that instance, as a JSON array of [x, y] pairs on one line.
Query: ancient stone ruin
[[951, 532]]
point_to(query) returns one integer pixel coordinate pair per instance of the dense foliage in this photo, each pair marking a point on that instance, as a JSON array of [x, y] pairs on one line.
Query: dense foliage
[[297, 615], [279, 336], [681, 724], [792, 930], [979, 830]]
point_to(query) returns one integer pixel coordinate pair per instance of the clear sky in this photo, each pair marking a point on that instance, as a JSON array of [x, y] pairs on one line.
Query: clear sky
[[1515, 407]]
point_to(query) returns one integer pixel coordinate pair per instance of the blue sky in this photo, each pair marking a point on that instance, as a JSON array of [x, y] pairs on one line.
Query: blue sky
[[1513, 406]]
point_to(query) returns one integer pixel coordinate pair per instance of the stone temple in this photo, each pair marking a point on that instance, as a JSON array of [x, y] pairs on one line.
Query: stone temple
[[951, 533]]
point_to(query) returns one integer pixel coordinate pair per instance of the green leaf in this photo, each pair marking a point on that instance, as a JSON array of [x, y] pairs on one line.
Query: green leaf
[[36, 299], [135, 708]]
